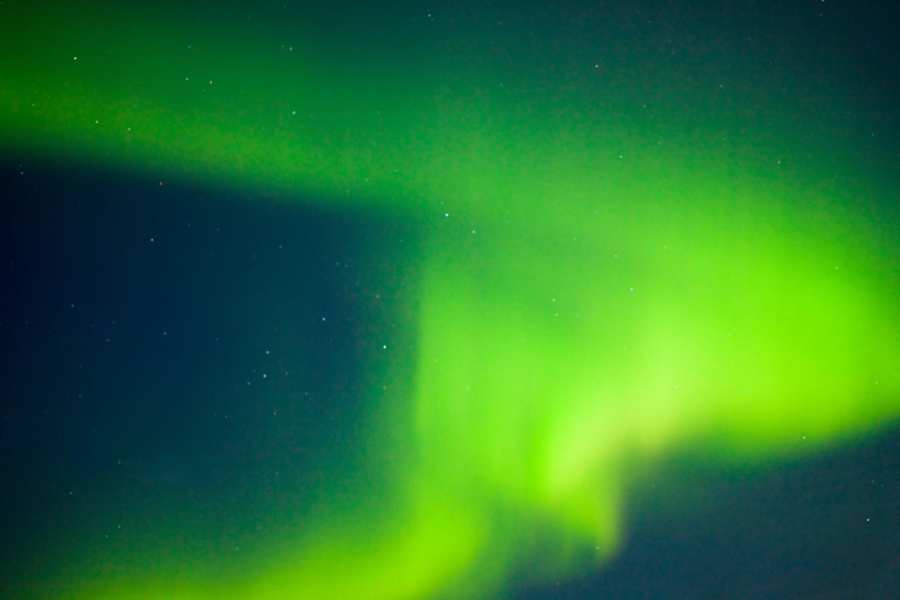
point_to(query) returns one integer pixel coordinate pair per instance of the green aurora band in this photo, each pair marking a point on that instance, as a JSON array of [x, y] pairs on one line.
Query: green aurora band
[[624, 258]]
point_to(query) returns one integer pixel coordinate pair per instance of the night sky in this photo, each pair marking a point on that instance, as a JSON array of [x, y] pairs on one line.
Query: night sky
[[458, 300]]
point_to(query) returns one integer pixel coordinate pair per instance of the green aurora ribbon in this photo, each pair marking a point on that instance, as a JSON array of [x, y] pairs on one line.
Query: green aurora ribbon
[[625, 256]]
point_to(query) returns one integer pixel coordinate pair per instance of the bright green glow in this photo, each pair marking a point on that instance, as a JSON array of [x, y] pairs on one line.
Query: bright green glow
[[597, 291]]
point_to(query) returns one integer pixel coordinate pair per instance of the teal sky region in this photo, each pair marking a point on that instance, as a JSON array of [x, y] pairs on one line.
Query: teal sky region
[[642, 231]]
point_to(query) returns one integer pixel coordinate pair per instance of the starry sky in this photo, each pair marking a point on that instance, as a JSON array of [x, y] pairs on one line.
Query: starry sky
[[455, 300]]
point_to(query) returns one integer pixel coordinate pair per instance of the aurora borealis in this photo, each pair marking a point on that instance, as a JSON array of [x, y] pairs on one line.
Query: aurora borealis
[[585, 241]]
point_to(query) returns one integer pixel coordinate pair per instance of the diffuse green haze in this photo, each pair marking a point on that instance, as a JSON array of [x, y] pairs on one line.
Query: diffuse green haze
[[622, 261]]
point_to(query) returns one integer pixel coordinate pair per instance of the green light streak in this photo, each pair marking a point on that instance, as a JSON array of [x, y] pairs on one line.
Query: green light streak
[[605, 282]]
